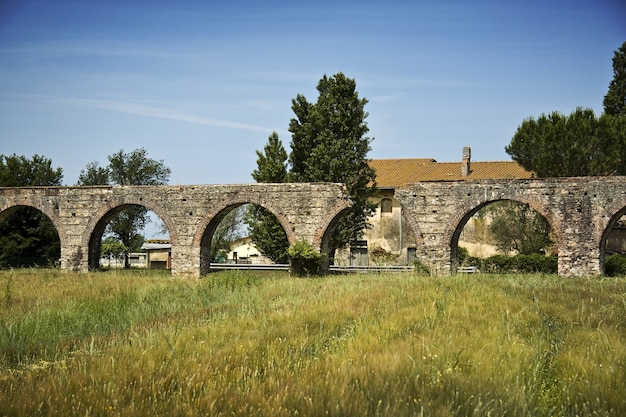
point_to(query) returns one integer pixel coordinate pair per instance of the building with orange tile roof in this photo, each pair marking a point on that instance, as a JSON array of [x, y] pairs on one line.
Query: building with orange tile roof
[[387, 231], [394, 173]]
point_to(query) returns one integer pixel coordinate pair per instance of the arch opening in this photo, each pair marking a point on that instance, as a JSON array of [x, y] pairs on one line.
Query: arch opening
[[326, 240], [390, 239], [28, 238], [613, 246], [504, 236], [130, 236], [243, 233]]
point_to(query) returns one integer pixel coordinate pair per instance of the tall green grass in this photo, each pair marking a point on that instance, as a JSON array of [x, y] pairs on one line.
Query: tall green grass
[[235, 343]]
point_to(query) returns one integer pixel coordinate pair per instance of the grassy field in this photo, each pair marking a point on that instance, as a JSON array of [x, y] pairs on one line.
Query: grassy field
[[265, 344]]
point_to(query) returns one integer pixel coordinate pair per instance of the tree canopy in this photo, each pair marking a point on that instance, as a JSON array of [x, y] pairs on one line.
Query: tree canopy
[[556, 145], [19, 171], [27, 236], [581, 144], [133, 168], [271, 164], [328, 143], [518, 228], [615, 99], [264, 228]]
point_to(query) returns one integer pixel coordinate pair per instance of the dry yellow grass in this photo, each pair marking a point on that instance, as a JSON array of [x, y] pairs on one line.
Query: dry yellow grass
[[389, 345]]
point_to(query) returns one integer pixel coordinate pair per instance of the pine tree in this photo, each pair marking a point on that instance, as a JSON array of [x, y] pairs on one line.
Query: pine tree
[[264, 228]]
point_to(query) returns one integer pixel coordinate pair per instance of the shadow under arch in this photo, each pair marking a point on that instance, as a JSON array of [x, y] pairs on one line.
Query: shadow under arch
[[414, 227], [605, 237], [207, 228], [457, 223], [326, 231], [44, 228], [98, 223]]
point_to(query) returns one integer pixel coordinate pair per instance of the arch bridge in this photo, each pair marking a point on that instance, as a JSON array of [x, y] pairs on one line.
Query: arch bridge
[[191, 213], [580, 210]]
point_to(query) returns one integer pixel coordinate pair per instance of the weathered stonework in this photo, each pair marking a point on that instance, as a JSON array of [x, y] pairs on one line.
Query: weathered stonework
[[581, 211], [191, 213]]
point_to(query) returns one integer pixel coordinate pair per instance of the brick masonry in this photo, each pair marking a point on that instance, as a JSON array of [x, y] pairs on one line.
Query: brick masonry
[[581, 211], [307, 211]]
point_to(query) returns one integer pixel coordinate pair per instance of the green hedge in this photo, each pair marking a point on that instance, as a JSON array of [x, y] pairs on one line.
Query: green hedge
[[615, 265], [519, 263]]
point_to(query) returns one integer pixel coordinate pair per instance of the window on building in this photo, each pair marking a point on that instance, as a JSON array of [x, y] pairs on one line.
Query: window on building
[[386, 205], [411, 255]]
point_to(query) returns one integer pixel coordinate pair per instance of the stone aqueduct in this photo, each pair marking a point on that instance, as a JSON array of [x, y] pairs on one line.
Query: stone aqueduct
[[581, 212], [191, 214]]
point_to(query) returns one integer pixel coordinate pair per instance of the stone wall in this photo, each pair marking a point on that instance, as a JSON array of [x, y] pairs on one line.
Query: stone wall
[[581, 211], [190, 213]]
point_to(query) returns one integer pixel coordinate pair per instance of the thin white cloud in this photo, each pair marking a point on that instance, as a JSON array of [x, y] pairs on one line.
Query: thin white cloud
[[102, 48], [161, 113], [387, 98]]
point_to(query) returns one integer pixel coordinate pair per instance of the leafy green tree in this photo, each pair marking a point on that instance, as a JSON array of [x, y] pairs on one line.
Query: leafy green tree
[[113, 249], [615, 99], [19, 171], [556, 145], [134, 168], [329, 144], [94, 174], [227, 231], [27, 236], [518, 228], [264, 229]]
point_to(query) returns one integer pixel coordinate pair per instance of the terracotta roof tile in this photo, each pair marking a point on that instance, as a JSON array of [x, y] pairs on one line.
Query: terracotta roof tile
[[391, 173]]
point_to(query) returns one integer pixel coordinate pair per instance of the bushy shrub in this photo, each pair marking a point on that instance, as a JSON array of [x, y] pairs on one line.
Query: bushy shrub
[[615, 265], [304, 259], [462, 254], [420, 268], [380, 256]]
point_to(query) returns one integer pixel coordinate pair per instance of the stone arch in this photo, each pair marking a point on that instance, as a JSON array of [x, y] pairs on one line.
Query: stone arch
[[9, 209], [612, 221], [206, 228], [467, 210], [415, 228], [97, 223], [326, 230], [225, 207]]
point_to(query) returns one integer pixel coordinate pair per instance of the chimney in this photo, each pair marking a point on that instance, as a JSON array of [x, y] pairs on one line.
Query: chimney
[[465, 165]]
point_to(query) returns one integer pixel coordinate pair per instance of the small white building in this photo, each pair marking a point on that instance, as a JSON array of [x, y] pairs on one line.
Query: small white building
[[243, 251]]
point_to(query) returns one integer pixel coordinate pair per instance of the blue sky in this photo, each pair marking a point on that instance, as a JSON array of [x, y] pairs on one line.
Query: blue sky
[[202, 84]]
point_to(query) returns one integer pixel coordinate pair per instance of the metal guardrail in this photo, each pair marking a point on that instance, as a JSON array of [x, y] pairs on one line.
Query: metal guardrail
[[368, 269], [332, 268], [467, 269], [253, 267]]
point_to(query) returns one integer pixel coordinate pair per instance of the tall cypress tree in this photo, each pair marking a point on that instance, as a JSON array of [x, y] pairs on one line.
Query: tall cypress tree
[[264, 228], [615, 99], [329, 143]]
